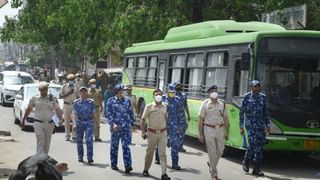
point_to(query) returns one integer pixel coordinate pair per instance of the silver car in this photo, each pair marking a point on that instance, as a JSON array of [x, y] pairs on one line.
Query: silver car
[[10, 84], [23, 97]]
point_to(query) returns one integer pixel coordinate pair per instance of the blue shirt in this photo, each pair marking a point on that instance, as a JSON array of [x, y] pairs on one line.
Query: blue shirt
[[119, 112], [84, 109], [173, 106], [182, 107], [254, 112]]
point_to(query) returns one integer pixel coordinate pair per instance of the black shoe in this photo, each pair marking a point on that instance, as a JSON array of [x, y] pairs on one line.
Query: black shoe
[[98, 140], [67, 139], [90, 161], [80, 160], [168, 144], [74, 138], [176, 168], [145, 173], [182, 150], [245, 165], [257, 172], [114, 168], [157, 162], [165, 177], [128, 170]]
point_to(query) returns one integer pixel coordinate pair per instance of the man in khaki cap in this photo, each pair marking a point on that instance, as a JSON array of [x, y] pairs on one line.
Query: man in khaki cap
[[96, 95], [43, 106], [156, 113], [69, 93], [79, 81]]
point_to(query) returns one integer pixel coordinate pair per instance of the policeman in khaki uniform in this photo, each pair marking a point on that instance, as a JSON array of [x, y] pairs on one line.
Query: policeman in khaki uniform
[[95, 94], [156, 113], [79, 81], [44, 107], [69, 93], [213, 120]]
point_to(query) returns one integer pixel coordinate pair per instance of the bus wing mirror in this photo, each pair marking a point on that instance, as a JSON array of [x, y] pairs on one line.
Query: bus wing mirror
[[245, 61]]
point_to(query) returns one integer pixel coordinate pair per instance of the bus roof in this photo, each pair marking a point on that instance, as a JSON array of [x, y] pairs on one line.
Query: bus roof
[[207, 33]]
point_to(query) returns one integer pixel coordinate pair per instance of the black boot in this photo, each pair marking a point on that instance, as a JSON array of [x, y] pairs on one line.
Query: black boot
[[245, 165], [256, 170], [165, 177]]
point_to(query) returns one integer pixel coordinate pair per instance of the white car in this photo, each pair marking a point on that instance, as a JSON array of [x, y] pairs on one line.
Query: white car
[[10, 84], [23, 97]]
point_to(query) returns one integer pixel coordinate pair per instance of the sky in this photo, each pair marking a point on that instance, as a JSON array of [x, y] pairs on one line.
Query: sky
[[7, 10]]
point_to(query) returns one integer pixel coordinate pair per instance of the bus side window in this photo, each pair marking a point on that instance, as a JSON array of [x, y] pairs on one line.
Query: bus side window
[[194, 74], [152, 71], [176, 68], [130, 68], [216, 72], [140, 78]]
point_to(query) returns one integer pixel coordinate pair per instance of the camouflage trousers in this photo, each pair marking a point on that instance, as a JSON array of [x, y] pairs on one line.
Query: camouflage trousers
[[85, 128], [125, 137], [257, 139]]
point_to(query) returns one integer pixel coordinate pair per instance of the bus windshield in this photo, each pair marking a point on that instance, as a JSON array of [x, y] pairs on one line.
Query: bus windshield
[[292, 86]]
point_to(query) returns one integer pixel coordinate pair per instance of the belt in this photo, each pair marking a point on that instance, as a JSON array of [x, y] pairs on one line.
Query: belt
[[69, 103], [97, 106], [214, 126], [157, 131], [40, 121]]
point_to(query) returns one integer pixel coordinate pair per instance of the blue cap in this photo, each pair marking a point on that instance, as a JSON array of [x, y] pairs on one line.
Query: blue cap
[[171, 88], [177, 83], [213, 87], [119, 87], [254, 83]]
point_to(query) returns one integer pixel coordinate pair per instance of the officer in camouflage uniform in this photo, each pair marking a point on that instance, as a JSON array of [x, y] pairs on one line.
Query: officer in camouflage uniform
[[85, 113], [175, 132], [182, 110], [120, 118], [254, 117], [95, 94]]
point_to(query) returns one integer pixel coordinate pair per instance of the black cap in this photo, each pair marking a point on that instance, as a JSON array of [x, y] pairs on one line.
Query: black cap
[[213, 87]]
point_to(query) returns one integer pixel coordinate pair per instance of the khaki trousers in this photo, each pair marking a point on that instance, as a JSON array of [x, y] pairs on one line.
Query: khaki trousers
[[43, 132], [96, 130], [67, 111], [154, 139], [214, 138]]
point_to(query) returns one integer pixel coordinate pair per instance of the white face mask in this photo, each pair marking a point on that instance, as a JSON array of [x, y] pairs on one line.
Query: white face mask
[[71, 83], [93, 86], [214, 95], [158, 98]]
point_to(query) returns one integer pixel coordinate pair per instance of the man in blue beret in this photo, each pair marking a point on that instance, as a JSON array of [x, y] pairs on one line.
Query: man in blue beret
[[120, 118], [254, 118]]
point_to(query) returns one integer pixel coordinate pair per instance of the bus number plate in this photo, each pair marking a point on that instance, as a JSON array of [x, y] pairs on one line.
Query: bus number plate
[[311, 145]]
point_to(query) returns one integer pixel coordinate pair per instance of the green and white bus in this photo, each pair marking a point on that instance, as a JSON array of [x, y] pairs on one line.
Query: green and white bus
[[230, 54]]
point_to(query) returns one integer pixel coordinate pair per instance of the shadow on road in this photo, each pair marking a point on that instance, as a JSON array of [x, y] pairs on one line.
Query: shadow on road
[[5, 172], [295, 165], [99, 165], [283, 163]]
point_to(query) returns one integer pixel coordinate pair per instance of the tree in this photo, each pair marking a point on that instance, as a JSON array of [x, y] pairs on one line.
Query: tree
[[92, 28]]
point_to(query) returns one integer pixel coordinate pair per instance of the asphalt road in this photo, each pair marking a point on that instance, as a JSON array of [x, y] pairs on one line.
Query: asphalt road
[[277, 166]]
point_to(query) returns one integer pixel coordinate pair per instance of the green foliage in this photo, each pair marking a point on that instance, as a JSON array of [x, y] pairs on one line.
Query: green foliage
[[92, 28]]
